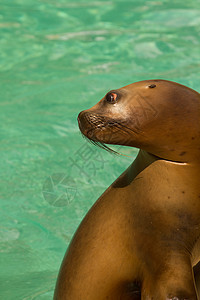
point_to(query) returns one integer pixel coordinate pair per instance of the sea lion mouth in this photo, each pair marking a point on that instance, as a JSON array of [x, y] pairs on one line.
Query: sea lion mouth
[[92, 124], [97, 120], [104, 129], [100, 130]]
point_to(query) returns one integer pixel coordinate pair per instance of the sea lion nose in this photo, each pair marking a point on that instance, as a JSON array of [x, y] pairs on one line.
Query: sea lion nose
[[82, 121], [79, 118]]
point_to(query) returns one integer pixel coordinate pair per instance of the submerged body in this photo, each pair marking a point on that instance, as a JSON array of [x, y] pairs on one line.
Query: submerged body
[[140, 240]]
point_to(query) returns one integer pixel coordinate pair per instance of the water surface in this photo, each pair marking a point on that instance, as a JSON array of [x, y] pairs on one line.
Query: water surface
[[58, 57]]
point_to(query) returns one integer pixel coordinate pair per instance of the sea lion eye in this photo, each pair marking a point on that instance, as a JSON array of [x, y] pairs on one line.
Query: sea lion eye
[[111, 97]]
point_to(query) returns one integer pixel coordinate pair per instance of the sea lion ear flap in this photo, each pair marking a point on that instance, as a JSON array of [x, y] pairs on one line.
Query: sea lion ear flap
[[151, 86]]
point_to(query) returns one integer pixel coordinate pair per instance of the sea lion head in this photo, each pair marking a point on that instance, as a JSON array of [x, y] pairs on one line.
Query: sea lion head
[[158, 116]]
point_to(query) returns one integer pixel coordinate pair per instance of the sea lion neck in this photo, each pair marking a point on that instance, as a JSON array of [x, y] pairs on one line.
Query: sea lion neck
[[144, 159]]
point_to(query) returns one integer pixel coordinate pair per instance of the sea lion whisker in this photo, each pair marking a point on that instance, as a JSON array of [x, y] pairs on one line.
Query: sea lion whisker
[[132, 130], [115, 123], [126, 130], [101, 145]]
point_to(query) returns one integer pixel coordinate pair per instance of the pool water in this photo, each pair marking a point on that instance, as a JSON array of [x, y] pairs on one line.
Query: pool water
[[58, 57]]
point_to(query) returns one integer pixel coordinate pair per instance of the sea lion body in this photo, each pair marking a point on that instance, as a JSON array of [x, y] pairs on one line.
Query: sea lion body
[[140, 240]]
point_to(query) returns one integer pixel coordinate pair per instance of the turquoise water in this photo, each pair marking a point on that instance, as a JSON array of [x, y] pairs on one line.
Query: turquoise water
[[56, 58]]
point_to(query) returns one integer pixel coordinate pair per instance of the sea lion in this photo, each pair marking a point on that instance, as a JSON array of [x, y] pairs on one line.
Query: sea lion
[[141, 239]]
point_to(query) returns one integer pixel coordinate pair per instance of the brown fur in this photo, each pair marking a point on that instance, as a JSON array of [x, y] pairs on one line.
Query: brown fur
[[140, 240]]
